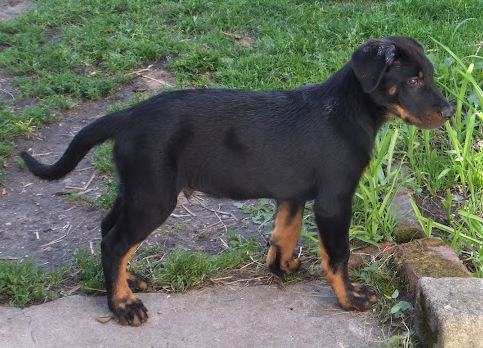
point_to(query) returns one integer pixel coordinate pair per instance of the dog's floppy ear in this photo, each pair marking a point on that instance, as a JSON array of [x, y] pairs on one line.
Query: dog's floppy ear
[[370, 62]]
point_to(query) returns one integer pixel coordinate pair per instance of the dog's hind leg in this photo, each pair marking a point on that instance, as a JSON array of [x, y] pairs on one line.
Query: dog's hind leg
[[288, 224], [136, 282], [146, 204], [110, 219], [333, 221]]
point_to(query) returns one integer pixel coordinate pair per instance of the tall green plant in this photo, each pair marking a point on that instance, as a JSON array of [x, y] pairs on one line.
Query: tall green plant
[[463, 229], [372, 202]]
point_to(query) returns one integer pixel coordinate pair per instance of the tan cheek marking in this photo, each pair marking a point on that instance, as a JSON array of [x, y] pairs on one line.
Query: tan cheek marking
[[408, 117], [432, 120], [392, 90]]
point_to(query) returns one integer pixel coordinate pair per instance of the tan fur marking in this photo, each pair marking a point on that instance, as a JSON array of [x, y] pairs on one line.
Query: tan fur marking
[[121, 292], [341, 289], [285, 236], [272, 252], [431, 120], [392, 90], [335, 279], [421, 74], [142, 285]]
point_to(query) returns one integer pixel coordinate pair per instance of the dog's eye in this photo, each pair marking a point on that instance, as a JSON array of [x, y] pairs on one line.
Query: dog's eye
[[414, 81]]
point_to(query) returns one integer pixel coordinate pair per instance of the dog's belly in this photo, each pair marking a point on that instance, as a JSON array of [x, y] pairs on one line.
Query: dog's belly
[[247, 182]]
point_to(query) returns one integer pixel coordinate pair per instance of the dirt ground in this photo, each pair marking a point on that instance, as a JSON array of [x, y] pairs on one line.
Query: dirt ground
[[37, 221], [9, 8]]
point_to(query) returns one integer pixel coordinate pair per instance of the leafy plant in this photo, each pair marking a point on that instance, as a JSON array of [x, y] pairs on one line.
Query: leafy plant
[[24, 283], [462, 162]]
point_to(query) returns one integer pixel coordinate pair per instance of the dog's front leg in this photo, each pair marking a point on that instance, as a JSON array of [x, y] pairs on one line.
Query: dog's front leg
[[333, 221]]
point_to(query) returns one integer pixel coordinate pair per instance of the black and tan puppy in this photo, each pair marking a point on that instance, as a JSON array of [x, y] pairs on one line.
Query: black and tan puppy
[[311, 143]]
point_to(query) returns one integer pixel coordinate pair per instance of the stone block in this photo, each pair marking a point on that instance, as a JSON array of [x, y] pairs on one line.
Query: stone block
[[407, 230], [449, 312], [428, 257]]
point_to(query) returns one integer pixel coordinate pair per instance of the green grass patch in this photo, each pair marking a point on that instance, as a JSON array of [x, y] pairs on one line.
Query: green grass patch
[[89, 272], [175, 271], [24, 283], [185, 269]]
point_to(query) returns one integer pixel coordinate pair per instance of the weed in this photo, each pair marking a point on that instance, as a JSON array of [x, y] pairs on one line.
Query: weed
[[456, 165], [175, 271], [88, 271], [394, 311], [262, 213], [185, 269], [24, 283]]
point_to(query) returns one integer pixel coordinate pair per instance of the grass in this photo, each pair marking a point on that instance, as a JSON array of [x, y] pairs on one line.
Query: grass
[[25, 283]]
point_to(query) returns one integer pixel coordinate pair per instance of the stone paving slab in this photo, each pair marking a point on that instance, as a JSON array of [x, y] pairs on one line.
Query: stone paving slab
[[298, 315]]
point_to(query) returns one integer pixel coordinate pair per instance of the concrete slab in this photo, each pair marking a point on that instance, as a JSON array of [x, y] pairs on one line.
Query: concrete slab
[[14, 328], [449, 312], [300, 315]]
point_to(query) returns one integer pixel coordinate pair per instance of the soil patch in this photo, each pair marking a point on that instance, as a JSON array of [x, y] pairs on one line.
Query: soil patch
[[10, 8]]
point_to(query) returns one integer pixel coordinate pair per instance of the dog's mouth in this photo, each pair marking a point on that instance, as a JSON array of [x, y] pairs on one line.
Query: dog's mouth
[[428, 121]]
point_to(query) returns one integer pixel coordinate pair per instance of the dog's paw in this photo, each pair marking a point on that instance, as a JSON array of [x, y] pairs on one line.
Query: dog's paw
[[129, 311], [282, 267], [136, 282], [359, 297]]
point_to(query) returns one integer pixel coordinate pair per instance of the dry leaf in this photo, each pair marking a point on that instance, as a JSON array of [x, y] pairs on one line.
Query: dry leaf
[[104, 319]]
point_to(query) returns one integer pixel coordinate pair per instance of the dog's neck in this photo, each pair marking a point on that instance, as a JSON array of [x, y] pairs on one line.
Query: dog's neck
[[346, 96]]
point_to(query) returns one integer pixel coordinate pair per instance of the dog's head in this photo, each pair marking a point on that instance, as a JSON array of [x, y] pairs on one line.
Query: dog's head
[[396, 73]]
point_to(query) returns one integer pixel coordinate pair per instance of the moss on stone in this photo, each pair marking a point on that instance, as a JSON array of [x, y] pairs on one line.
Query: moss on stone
[[427, 259], [407, 230]]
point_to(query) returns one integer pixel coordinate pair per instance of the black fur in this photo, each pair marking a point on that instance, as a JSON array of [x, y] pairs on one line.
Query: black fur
[[311, 143]]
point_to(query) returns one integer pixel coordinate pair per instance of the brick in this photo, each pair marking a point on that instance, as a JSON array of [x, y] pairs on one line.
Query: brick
[[428, 257]]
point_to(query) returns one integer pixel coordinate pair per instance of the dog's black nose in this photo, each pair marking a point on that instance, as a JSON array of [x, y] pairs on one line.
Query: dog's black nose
[[447, 111]]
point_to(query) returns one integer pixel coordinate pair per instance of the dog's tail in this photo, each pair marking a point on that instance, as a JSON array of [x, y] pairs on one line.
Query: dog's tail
[[91, 135]]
